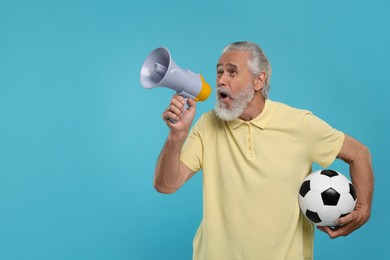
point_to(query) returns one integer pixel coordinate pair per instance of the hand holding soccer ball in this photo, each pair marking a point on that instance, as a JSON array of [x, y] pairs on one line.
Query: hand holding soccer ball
[[325, 196]]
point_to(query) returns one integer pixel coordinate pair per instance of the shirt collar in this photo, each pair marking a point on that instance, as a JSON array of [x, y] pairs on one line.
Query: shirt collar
[[260, 121]]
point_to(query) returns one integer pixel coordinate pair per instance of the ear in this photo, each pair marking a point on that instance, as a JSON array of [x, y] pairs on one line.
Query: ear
[[259, 81]]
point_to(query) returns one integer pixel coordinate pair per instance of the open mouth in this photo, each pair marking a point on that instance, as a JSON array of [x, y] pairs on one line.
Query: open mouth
[[223, 94]]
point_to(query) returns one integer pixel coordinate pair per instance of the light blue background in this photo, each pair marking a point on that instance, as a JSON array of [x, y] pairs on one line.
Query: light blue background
[[79, 136]]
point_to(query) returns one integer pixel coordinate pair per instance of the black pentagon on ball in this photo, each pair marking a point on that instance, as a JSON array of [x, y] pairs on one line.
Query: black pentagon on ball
[[313, 216], [329, 173], [305, 188], [330, 197], [352, 191]]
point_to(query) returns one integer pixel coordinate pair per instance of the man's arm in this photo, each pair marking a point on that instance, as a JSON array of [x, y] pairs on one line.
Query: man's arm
[[359, 159], [170, 172]]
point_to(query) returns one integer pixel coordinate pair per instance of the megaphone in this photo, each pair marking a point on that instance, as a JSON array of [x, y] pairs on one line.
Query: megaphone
[[159, 69]]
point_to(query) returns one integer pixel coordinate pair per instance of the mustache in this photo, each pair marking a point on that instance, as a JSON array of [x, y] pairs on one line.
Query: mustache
[[224, 91]]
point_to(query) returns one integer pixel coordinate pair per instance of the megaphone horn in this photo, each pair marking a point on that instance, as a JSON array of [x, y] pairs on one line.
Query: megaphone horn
[[159, 69]]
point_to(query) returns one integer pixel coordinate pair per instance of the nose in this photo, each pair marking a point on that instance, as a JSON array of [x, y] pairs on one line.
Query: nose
[[222, 80]]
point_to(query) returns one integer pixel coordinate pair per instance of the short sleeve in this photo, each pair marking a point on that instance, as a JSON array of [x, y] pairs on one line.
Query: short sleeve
[[324, 142], [192, 150]]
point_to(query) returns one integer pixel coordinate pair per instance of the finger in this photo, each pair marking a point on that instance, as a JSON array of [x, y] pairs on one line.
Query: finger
[[335, 232], [191, 103], [345, 220], [326, 230], [179, 98], [341, 231], [167, 115], [177, 105], [331, 231], [176, 109], [321, 229]]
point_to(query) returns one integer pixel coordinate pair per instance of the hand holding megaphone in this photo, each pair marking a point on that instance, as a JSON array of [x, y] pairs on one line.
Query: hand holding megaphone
[[159, 69]]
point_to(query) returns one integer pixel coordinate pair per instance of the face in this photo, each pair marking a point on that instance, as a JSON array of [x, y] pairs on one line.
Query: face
[[234, 85]]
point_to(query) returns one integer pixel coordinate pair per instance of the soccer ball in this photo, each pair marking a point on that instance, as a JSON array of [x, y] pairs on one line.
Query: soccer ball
[[325, 196]]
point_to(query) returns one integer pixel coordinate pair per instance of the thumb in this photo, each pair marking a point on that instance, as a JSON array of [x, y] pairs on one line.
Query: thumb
[[191, 103], [189, 114], [345, 220]]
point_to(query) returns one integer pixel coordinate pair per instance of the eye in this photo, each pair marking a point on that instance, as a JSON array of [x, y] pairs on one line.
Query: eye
[[219, 72], [232, 73]]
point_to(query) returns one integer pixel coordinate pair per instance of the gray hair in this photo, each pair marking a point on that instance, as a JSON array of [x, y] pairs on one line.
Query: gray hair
[[257, 62]]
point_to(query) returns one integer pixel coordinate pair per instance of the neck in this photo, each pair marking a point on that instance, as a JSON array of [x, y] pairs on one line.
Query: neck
[[254, 108]]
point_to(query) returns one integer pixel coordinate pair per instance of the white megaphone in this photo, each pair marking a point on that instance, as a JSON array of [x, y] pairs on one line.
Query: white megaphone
[[160, 70]]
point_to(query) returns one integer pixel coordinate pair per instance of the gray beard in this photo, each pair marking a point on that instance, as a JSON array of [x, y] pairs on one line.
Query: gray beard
[[238, 105]]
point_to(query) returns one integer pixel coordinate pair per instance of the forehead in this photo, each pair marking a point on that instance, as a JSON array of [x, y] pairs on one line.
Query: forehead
[[238, 59]]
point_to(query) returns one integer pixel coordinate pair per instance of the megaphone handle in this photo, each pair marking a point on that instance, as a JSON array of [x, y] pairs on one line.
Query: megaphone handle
[[186, 106]]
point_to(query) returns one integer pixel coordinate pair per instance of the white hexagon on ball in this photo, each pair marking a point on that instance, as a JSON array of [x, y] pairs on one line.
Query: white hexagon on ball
[[340, 183], [328, 215], [346, 203], [313, 201]]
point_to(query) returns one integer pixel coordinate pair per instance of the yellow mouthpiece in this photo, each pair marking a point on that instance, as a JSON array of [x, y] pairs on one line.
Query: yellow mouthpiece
[[204, 92]]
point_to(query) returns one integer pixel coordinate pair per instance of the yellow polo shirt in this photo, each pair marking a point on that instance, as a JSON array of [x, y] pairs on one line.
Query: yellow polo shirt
[[252, 172]]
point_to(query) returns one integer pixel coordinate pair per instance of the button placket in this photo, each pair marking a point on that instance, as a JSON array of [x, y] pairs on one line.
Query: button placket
[[249, 140]]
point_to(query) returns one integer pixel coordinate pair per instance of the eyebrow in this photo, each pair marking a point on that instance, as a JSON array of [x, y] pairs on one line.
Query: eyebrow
[[229, 65]]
